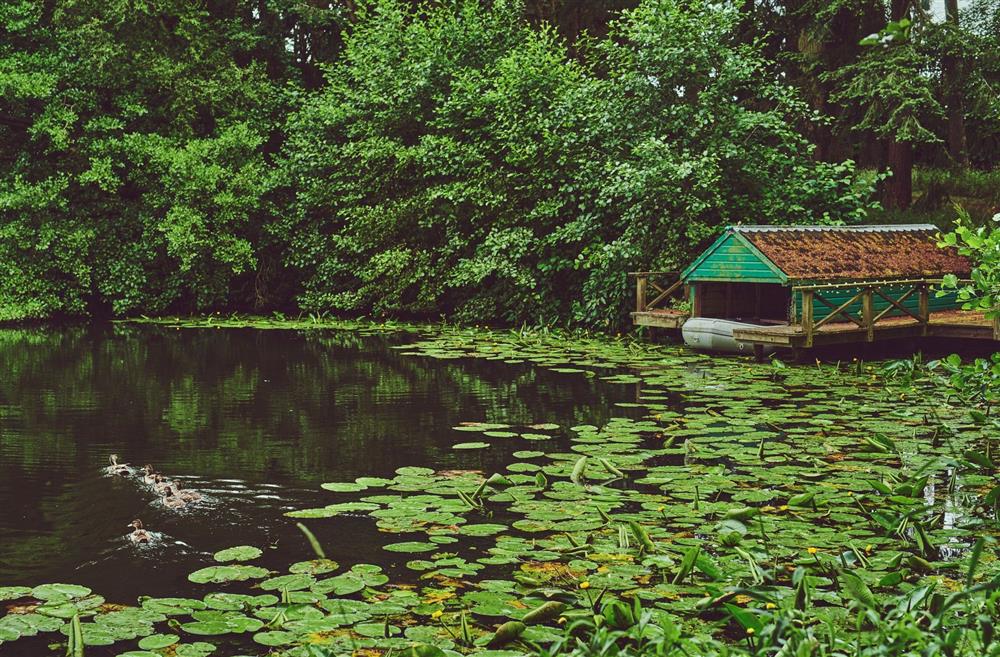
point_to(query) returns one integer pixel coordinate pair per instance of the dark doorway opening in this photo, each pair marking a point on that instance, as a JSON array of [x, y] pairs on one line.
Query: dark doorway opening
[[757, 303]]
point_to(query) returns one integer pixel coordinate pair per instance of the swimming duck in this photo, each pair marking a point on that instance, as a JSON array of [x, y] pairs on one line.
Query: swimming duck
[[148, 476], [161, 485], [172, 501], [117, 468], [138, 535], [186, 495]]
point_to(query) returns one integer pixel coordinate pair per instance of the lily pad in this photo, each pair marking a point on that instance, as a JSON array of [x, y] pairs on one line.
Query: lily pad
[[220, 574], [158, 641], [238, 553]]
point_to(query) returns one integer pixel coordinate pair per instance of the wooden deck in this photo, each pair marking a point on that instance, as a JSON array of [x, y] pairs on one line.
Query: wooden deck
[[829, 314], [660, 318], [667, 286], [948, 324]]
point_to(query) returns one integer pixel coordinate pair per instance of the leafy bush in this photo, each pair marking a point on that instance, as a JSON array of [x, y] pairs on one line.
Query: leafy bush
[[459, 161]]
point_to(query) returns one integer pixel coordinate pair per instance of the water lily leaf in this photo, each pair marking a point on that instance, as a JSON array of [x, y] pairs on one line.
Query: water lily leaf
[[344, 487], [422, 650], [207, 628], [220, 574], [172, 606], [59, 591], [238, 601], [294, 582], [157, 641], [275, 638], [314, 567], [482, 529], [373, 482], [410, 546], [340, 585], [14, 592], [197, 649], [238, 553], [472, 445], [376, 629]]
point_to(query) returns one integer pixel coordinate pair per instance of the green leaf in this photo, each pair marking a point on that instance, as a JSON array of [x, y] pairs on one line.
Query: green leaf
[[239, 553]]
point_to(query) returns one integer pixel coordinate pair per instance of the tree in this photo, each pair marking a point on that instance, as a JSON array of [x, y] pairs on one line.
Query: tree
[[459, 161], [134, 146]]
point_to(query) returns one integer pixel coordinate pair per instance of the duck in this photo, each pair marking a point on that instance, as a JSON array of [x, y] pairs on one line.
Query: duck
[[161, 485], [117, 468], [172, 501], [138, 535], [186, 495], [148, 476]]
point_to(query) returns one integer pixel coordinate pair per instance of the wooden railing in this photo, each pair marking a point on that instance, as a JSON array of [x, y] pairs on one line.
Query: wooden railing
[[867, 293], [665, 284]]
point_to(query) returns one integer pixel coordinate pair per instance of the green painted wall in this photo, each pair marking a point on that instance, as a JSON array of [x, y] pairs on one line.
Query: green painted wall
[[733, 261], [840, 295]]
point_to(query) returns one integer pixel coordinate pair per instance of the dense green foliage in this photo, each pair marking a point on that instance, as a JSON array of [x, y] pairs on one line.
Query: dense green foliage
[[501, 161], [499, 179]]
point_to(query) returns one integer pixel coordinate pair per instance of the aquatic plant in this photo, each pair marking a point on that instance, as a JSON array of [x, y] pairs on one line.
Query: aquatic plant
[[666, 530]]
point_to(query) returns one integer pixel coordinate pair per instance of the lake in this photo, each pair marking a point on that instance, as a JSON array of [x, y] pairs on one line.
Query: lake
[[254, 420], [452, 472]]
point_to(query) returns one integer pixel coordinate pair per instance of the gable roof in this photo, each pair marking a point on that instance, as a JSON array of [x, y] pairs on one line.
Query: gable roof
[[733, 257], [818, 253]]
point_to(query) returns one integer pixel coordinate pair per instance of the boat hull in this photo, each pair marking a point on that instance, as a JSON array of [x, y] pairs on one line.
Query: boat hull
[[711, 334]]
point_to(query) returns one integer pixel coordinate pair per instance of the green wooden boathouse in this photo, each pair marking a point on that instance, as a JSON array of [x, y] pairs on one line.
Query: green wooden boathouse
[[801, 286]]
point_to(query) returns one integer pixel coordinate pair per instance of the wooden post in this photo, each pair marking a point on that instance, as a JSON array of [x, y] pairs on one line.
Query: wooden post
[[640, 293], [807, 316], [868, 313], [996, 327], [924, 309]]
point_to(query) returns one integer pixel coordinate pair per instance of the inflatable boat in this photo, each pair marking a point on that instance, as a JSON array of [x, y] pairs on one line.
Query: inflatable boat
[[711, 334]]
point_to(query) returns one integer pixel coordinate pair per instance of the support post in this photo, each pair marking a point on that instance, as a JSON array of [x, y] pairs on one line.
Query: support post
[[807, 316], [640, 293], [924, 308], [868, 313]]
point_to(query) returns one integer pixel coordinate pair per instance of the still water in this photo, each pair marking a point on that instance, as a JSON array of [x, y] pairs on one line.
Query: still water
[[254, 420]]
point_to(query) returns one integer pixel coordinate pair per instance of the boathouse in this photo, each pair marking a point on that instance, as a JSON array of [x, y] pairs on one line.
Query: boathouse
[[802, 286]]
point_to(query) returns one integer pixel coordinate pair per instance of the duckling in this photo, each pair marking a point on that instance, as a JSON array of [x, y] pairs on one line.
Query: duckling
[[186, 495], [172, 501], [117, 468], [138, 535], [148, 476], [160, 485]]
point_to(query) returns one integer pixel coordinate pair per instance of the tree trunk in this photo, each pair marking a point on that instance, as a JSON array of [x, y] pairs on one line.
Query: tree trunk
[[898, 192], [951, 68], [899, 187]]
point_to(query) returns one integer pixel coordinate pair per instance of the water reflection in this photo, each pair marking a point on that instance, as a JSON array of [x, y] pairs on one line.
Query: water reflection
[[254, 420]]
